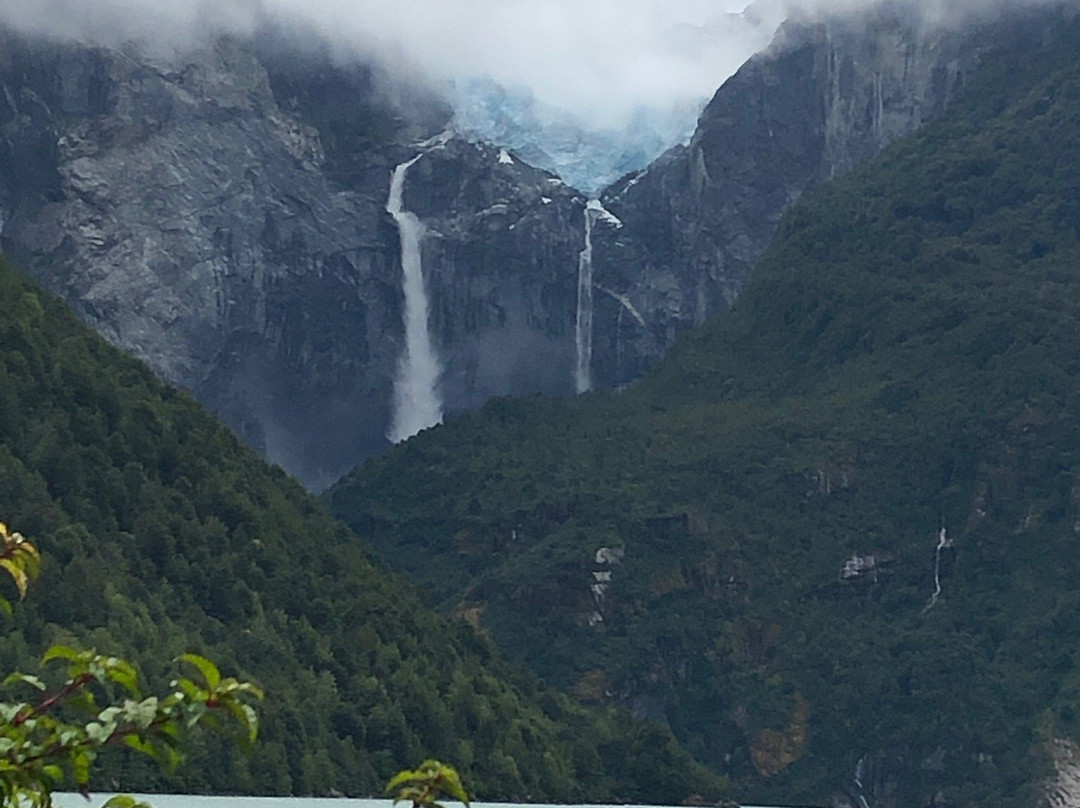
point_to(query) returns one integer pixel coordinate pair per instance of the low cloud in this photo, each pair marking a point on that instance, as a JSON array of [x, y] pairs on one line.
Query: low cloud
[[601, 60], [598, 59]]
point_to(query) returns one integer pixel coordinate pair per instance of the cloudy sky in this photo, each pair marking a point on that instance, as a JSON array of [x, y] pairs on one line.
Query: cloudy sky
[[597, 58]]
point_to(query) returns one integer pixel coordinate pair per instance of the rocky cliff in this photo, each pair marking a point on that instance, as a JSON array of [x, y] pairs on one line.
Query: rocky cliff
[[501, 260], [221, 215], [825, 95]]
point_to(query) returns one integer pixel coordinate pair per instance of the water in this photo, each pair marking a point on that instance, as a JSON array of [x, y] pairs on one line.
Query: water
[[583, 331], [416, 398], [186, 801]]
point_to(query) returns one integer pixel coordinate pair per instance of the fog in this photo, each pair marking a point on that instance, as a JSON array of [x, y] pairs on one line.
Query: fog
[[600, 60]]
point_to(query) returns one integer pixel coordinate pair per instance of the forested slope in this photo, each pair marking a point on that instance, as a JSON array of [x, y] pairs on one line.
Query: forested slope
[[161, 534], [776, 583]]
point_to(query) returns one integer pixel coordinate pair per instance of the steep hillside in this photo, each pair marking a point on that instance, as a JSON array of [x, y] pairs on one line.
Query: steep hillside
[[832, 90], [220, 213], [831, 539], [161, 533]]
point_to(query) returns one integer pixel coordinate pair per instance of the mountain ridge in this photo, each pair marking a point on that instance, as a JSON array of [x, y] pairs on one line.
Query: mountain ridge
[[231, 203], [162, 534], [860, 482]]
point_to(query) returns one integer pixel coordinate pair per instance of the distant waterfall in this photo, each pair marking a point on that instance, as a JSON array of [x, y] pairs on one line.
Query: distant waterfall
[[416, 399], [944, 542], [583, 332]]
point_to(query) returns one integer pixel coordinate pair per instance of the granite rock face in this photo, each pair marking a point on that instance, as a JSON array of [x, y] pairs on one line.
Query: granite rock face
[[501, 263], [188, 218], [825, 95], [221, 215]]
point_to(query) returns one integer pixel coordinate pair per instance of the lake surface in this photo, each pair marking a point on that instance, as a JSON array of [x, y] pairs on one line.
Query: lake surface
[[187, 801]]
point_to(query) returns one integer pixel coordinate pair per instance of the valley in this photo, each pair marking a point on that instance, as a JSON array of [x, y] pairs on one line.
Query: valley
[[750, 476]]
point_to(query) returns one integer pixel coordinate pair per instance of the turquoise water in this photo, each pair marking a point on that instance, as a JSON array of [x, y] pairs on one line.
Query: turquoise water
[[186, 801]]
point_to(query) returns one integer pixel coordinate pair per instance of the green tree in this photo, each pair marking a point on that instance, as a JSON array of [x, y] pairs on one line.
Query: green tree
[[56, 735]]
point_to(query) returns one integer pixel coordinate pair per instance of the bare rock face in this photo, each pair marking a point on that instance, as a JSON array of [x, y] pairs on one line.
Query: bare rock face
[[188, 218], [221, 215], [826, 95], [501, 262], [1062, 790]]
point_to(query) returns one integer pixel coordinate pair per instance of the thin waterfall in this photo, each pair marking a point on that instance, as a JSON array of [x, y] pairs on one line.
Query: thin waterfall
[[416, 397], [943, 542], [583, 332]]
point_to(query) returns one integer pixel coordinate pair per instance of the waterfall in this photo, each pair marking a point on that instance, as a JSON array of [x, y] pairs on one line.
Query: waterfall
[[860, 798], [583, 333], [416, 399], [943, 542]]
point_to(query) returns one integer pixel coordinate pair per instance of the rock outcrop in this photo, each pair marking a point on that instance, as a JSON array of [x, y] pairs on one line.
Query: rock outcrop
[[501, 260], [825, 95], [221, 215]]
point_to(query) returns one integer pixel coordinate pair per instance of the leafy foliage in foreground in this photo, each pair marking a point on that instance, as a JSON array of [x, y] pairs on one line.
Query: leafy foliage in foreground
[[47, 743], [426, 784], [771, 497], [40, 744], [160, 534]]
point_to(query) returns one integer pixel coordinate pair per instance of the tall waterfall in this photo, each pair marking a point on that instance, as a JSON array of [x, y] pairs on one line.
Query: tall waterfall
[[416, 398], [583, 332]]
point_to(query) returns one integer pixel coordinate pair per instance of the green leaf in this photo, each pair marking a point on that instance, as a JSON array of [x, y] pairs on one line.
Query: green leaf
[[124, 801], [403, 776], [17, 573], [124, 674], [62, 652], [80, 765], [450, 782], [24, 678], [208, 669], [141, 713], [99, 733]]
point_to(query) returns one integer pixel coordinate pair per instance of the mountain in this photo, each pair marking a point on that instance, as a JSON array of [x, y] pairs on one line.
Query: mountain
[[162, 534], [829, 92], [220, 213], [830, 538]]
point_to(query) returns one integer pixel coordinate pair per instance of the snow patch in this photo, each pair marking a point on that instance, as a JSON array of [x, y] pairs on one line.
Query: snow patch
[[439, 141], [603, 214], [505, 158]]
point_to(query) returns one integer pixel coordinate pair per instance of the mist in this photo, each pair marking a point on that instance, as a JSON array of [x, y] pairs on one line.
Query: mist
[[602, 61]]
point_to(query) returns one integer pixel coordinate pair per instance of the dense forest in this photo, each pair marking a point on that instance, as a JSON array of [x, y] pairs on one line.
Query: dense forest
[[161, 534], [832, 538]]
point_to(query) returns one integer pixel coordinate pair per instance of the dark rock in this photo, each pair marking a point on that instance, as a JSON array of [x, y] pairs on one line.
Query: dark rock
[[826, 95]]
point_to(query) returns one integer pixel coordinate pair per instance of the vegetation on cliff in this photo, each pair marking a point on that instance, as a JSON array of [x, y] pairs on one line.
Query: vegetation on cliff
[[160, 534], [832, 537]]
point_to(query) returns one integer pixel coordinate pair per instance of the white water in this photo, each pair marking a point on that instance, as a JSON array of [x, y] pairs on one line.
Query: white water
[[416, 397], [583, 332], [943, 542]]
